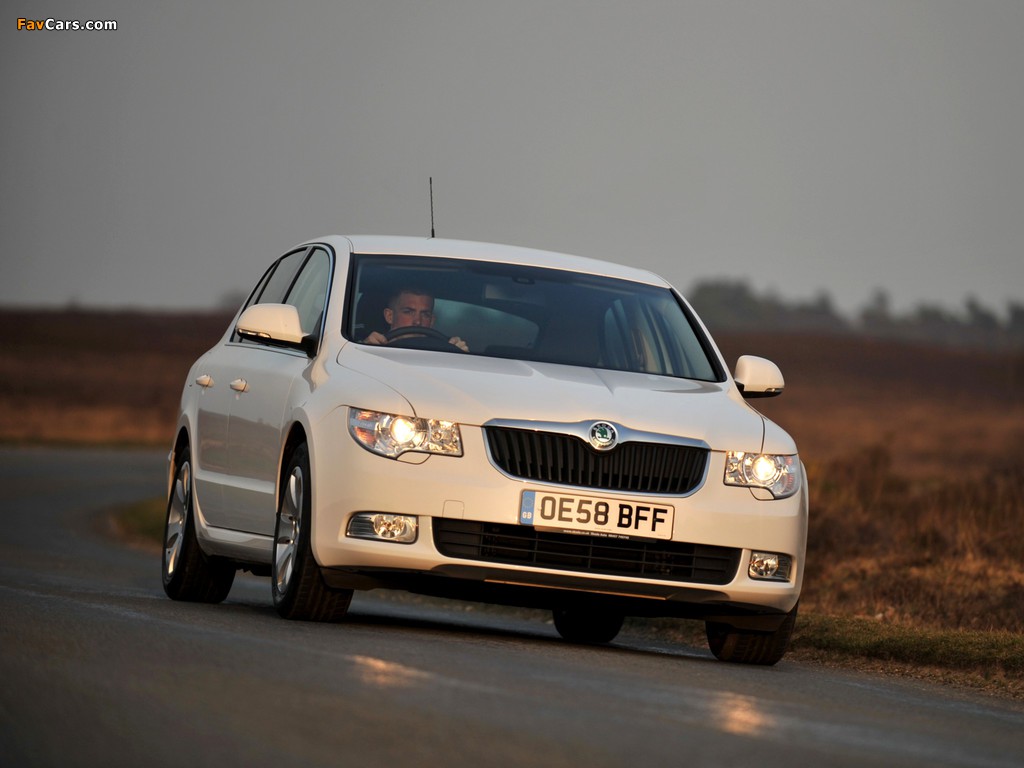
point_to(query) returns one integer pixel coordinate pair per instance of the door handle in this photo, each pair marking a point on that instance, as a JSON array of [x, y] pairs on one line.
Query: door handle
[[206, 380], [240, 385]]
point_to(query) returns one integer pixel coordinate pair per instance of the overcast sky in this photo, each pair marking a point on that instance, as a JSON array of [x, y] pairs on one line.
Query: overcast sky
[[804, 147]]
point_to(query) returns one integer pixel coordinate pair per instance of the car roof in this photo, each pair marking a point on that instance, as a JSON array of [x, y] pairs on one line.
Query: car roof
[[466, 249]]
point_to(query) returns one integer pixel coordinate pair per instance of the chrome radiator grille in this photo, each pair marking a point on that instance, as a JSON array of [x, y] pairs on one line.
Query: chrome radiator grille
[[550, 457]]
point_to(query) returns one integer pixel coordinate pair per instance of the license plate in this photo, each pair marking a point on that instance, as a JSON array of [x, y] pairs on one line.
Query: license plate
[[595, 514]]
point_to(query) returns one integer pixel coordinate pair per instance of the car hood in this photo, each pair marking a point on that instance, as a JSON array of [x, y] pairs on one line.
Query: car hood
[[473, 390]]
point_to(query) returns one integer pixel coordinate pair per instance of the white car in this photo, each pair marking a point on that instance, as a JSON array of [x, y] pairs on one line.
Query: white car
[[490, 423]]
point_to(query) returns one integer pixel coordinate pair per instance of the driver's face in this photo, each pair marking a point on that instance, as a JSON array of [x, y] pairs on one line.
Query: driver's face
[[410, 309]]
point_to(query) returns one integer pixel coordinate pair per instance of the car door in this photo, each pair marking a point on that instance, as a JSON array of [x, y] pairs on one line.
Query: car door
[[216, 373], [210, 463], [266, 381]]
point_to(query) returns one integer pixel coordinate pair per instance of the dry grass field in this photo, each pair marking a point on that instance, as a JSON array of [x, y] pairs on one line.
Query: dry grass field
[[917, 485], [917, 481], [97, 377]]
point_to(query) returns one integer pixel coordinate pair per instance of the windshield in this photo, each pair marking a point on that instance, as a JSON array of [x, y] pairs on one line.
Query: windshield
[[524, 313]]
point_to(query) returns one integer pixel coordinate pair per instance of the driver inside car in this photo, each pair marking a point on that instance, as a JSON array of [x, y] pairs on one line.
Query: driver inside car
[[410, 308]]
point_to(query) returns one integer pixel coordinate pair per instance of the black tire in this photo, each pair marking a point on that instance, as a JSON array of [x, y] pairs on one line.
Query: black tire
[[749, 647], [188, 572], [589, 626], [298, 586]]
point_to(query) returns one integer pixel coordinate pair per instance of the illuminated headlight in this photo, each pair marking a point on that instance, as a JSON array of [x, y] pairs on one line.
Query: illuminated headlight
[[779, 474], [375, 525], [391, 435]]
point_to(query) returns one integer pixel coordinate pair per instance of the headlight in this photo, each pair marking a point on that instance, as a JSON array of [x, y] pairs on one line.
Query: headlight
[[779, 474], [391, 435]]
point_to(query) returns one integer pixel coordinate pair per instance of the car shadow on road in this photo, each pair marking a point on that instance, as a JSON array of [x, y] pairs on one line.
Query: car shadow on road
[[401, 612]]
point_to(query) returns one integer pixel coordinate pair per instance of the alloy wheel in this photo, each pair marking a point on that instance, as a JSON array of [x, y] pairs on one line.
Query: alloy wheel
[[177, 514], [289, 524]]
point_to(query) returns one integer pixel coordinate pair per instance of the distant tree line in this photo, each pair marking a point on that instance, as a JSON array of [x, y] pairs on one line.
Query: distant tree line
[[732, 305]]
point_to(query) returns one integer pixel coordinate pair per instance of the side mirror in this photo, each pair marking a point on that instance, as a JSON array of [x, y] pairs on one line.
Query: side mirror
[[275, 324], [757, 377]]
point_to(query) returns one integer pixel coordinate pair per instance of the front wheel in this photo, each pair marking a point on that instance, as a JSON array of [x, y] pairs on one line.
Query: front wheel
[[298, 586], [188, 573], [748, 646]]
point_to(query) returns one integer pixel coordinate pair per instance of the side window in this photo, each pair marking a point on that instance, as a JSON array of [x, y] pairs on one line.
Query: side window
[[276, 287], [276, 281], [309, 291]]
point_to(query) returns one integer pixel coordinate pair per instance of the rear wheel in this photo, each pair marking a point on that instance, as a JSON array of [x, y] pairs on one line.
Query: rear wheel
[[298, 586], [188, 573], [589, 626], [750, 647]]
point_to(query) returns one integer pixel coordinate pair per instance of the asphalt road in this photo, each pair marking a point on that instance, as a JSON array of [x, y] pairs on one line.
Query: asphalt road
[[97, 667]]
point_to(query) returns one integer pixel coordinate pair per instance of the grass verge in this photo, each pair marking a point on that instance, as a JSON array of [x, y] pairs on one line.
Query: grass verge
[[986, 661], [140, 523]]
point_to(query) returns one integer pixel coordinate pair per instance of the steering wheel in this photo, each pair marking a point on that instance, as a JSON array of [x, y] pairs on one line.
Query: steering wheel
[[420, 337]]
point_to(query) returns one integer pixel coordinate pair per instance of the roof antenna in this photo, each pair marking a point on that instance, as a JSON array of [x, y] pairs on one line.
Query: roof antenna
[[431, 206]]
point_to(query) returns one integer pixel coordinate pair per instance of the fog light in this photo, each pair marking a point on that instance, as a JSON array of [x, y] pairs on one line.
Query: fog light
[[382, 527], [769, 565]]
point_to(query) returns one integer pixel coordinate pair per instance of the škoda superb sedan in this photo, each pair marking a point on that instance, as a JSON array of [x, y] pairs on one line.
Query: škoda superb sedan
[[489, 423]]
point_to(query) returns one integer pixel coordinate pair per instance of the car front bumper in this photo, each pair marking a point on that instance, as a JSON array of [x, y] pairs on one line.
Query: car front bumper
[[452, 494]]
